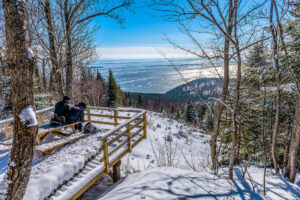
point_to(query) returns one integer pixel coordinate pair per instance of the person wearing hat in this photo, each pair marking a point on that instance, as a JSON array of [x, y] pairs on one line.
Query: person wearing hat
[[76, 114], [61, 112], [62, 108]]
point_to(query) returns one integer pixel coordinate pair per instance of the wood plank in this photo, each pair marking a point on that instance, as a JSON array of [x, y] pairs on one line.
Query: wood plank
[[116, 138], [137, 132], [136, 142], [114, 150], [85, 187], [137, 124], [101, 122], [54, 147]]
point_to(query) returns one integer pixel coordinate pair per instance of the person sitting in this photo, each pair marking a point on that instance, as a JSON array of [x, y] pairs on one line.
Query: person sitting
[[61, 112], [76, 114], [62, 108]]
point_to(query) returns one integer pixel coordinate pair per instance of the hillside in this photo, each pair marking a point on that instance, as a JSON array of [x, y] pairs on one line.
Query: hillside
[[174, 163], [205, 87]]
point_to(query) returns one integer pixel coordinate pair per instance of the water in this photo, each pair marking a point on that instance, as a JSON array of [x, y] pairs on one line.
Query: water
[[152, 76]]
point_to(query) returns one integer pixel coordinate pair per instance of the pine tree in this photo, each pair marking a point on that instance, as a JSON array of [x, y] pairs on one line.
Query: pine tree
[[100, 78], [161, 109], [178, 113], [114, 99], [130, 102], [190, 115], [140, 102], [172, 110]]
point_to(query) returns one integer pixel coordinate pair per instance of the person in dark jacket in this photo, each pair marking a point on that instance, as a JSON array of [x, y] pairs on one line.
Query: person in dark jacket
[[76, 114], [62, 108], [61, 112]]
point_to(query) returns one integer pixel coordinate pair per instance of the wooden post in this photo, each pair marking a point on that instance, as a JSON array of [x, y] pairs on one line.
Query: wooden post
[[145, 125], [89, 114], [6, 130], [129, 137], [116, 171], [115, 117], [40, 120], [105, 155], [73, 128]]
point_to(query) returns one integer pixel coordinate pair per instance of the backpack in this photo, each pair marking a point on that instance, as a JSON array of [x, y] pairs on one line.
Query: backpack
[[90, 128], [57, 120]]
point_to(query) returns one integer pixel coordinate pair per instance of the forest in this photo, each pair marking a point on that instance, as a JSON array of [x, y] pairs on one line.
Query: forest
[[252, 113]]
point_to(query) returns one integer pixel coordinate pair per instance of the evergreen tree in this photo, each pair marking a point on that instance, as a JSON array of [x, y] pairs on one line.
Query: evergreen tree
[[100, 78], [172, 110], [190, 115], [140, 102], [178, 113], [130, 102], [114, 99], [161, 109]]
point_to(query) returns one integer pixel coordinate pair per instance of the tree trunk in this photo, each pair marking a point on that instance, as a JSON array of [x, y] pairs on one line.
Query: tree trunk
[[219, 107], [44, 75], [277, 115], [234, 113], [21, 67], [69, 70], [237, 97], [55, 76], [219, 104], [293, 169]]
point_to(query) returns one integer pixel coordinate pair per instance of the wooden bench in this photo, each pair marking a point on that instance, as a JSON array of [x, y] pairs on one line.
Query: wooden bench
[[44, 130], [52, 146]]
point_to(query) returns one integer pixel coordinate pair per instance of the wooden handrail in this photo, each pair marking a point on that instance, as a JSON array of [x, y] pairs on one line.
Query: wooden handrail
[[109, 133], [6, 125]]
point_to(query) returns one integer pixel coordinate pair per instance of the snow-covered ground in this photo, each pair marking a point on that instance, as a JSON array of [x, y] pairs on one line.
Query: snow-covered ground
[[173, 163], [175, 183]]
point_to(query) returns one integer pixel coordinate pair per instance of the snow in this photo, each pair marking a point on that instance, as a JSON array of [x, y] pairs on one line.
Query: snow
[[28, 117], [30, 53], [172, 163], [175, 183]]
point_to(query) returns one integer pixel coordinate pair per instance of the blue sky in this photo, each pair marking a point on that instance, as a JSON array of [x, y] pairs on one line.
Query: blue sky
[[141, 36]]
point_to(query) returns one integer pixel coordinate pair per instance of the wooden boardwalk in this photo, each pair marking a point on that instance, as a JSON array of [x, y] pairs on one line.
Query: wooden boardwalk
[[125, 134]]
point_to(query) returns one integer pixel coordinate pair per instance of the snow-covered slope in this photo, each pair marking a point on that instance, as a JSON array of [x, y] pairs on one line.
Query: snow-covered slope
[[174, 183], [173, 163]]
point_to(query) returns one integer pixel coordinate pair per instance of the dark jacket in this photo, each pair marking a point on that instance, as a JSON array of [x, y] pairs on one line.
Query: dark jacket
[[61, 109], [76, 114]]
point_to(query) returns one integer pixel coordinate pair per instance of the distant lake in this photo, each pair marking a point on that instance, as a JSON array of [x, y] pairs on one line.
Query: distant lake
[[153, 76]]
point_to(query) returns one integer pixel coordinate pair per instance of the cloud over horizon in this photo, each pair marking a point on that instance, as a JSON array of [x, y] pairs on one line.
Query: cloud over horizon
[[141, 52]]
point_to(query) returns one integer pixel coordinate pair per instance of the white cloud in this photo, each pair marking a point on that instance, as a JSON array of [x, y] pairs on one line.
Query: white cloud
[[141, 52]]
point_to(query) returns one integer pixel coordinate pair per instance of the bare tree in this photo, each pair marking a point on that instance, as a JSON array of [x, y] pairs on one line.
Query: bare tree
[[276, 63], [292, 169], [82, 11], [21, 65], [55, 76], [226, 18]]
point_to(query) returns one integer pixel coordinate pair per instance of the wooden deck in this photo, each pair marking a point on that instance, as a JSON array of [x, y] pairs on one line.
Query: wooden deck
[[126, 132]]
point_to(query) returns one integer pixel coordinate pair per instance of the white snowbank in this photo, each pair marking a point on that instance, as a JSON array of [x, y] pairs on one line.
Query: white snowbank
[[174, 183], [28, 117]]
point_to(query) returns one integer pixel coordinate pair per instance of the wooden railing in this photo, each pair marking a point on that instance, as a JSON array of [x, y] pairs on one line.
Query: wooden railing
[[125, 136], [126, 132], [44, 115]]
